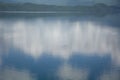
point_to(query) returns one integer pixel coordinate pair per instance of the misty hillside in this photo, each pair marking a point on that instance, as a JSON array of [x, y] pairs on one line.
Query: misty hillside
[[64, 2], [99, 7]]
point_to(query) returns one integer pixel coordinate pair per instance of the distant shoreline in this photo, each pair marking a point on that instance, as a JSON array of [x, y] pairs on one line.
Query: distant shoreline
[[30, 8], [40, 12]]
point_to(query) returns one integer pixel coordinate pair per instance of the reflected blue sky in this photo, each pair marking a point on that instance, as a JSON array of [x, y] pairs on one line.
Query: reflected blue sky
[[60, 48], [95, 64]]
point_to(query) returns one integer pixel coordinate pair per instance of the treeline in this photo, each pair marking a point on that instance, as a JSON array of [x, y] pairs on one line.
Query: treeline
[[40, 7]]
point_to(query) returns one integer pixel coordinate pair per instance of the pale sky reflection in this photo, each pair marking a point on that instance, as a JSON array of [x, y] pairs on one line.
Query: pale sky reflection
[[62, 38], [112, 75], [66, 72], [13, 74]]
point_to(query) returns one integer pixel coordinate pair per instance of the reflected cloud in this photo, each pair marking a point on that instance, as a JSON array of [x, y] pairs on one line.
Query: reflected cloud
[[66, 72], [112, 75], [13, 74], [0, 62], [62, 38]]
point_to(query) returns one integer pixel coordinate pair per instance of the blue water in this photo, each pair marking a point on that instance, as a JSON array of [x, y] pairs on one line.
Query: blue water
[[52, 47]]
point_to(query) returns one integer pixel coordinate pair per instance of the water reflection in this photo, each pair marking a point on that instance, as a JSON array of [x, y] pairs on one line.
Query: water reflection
[[95, 64], [112, 75], [13, 74], [44, 67], [61, 37], [67, 72], [59, 49]]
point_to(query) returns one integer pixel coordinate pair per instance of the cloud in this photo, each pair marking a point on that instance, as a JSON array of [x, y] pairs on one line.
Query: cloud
[[13, 74]]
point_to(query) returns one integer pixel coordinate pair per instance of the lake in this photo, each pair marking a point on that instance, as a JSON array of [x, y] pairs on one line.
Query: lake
[[51, 46]]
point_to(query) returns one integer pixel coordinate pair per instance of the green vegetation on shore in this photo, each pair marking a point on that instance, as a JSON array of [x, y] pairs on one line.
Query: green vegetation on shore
[[40, 7]]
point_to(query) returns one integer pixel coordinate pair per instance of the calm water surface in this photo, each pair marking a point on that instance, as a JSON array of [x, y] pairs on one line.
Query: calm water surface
[[60, 48]]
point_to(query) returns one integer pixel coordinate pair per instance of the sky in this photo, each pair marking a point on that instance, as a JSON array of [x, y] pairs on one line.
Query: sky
[[67, 2]]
